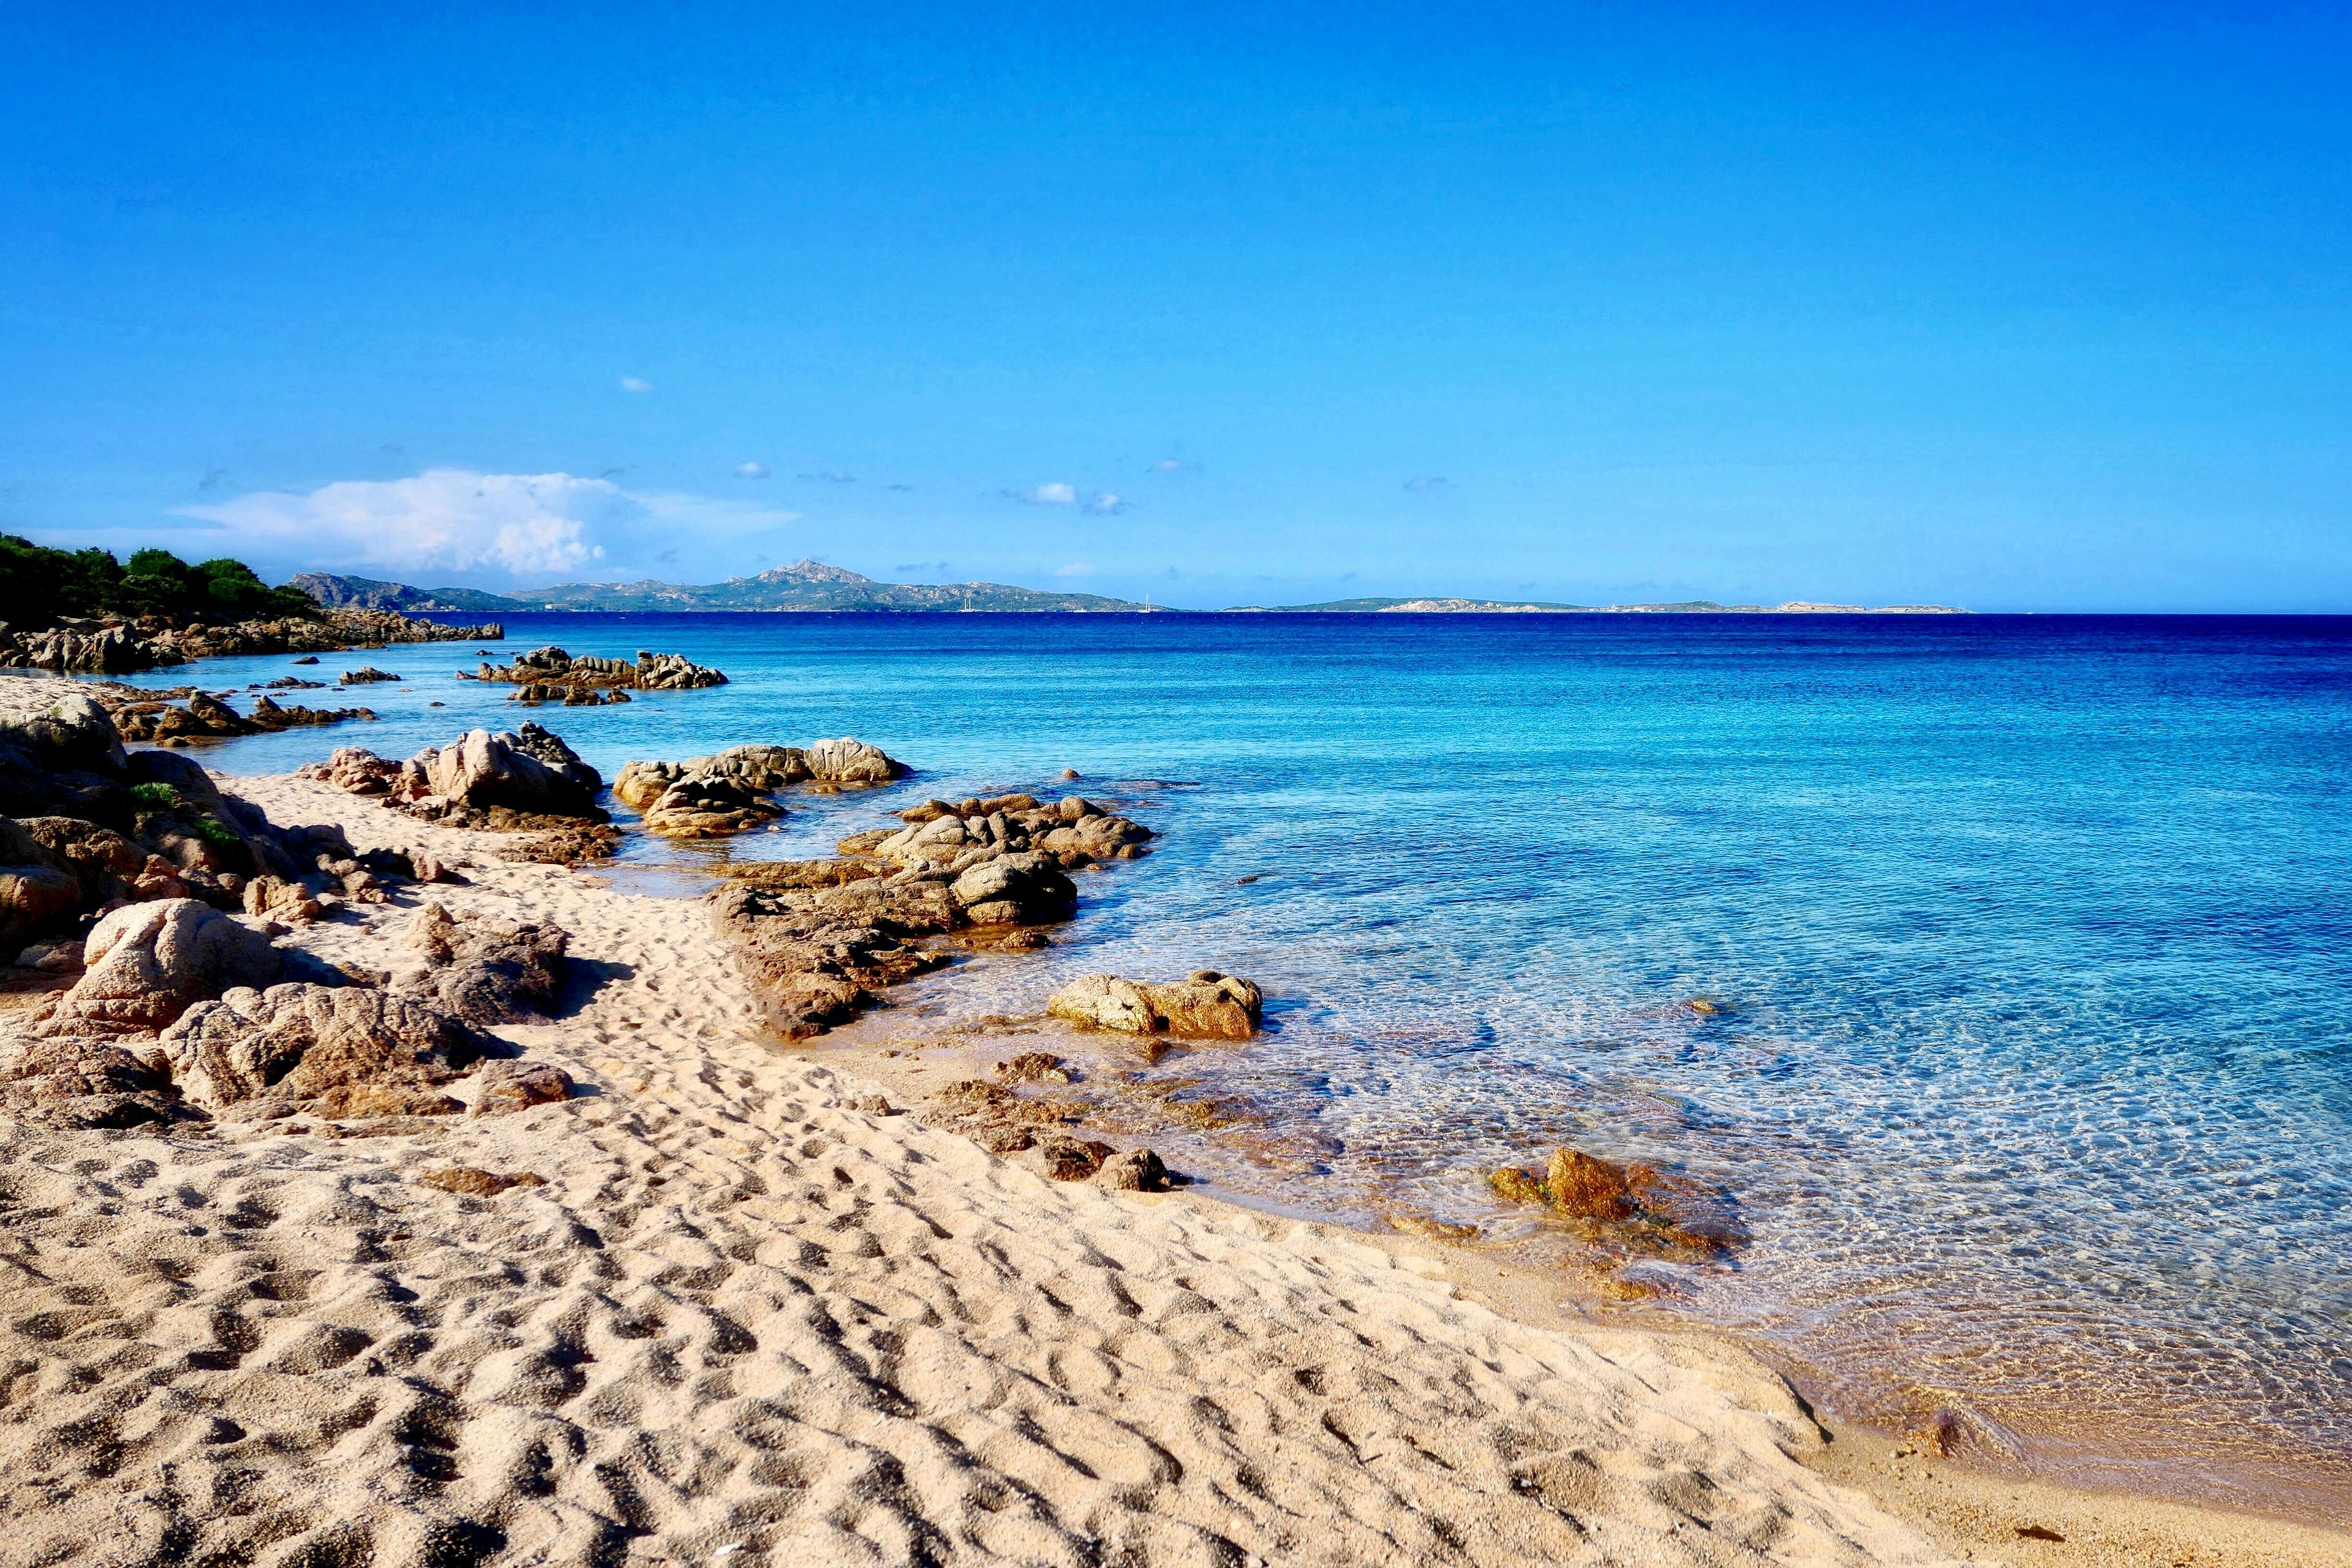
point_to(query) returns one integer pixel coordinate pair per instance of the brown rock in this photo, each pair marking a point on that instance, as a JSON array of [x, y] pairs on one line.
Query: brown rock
[[1577, 1184], [475, 1182], [1068, 1159], [1208, 1005], [1133, 1170], [1516, 1185], [508, 1087], [148, 962], [79, 1081]]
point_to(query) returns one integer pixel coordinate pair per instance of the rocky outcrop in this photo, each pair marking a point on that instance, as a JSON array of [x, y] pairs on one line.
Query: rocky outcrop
[[40, 893], [1072, 831], [187, 713], [713, 796], [83, 1081], [486, 971], [528, 770], [1206, 1006], [1016, 889], [822, 956], [822, 938], [550, 669], [121, 647], [145, 964], [334, 1050]]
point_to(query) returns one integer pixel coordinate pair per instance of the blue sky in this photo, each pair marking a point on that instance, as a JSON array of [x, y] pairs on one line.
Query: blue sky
[[2020, 308]]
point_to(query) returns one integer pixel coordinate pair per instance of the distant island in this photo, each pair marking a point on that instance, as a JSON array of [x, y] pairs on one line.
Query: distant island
[[804, 585], [811, 585]]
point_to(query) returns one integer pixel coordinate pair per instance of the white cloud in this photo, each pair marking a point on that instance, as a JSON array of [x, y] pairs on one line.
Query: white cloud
[[635, 384], [751, 470], [1105, 504], [1075, 569], [531, 527], [1429, 483], [1053, 494], [1168, 466]]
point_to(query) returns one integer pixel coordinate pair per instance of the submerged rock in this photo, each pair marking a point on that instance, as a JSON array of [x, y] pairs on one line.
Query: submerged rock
[[1635, 1207], [1208, 1005]]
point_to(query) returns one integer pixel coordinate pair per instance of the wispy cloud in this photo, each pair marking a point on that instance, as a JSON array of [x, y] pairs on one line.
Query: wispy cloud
[[1053, 494], [1075, 569], [1104, 503], [212, 481], [909, 567], [519, 526], [635, 384], [1171, 465], [751, 470], [832, 475], [1429, 483]]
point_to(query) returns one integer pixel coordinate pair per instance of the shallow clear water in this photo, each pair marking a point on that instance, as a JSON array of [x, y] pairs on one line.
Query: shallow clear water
[[2034, 1082]]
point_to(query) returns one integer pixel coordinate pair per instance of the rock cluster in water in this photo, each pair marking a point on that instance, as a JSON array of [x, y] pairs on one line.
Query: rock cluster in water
[[550, 675], [1633, 1208], [823, 938], [714, 796], [184, 713], [123, 647], [1206, 1006], [955, 836]]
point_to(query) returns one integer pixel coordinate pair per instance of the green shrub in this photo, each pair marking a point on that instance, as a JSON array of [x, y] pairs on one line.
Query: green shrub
[[156, 796]]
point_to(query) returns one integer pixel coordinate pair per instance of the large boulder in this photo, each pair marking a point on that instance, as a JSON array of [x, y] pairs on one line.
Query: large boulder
[[528, 770], [39, 893], [489, 972], [81, 1082], [1015, 890], [339, 1050], [711, 808], [1207, 1006], [58, 752], [847, 761], [55, 724], [148, 963], [705, 797]]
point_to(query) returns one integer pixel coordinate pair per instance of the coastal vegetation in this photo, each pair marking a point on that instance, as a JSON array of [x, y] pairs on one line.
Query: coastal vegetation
[[40, 586]]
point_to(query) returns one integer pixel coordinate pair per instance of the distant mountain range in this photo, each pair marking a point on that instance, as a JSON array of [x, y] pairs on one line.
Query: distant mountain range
[[367, 594], [806, 585], [813, 586]]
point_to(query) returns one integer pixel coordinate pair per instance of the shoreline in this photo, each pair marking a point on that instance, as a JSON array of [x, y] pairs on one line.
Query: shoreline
[[1960, 1508]]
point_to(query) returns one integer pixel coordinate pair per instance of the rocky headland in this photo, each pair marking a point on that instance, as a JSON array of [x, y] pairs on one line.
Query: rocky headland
[[84, 646]]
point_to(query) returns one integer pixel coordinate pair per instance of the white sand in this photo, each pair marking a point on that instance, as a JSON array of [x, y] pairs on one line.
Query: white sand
[[743, 1323]]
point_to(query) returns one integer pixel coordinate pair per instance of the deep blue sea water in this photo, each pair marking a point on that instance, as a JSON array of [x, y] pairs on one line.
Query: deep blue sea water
[[2034, 1080]]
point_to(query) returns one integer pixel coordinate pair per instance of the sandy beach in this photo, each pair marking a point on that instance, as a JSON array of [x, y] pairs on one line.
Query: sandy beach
[[735, 1313]]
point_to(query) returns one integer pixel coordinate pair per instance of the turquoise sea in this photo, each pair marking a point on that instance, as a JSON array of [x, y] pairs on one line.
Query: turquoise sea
[[2032, 1079]]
